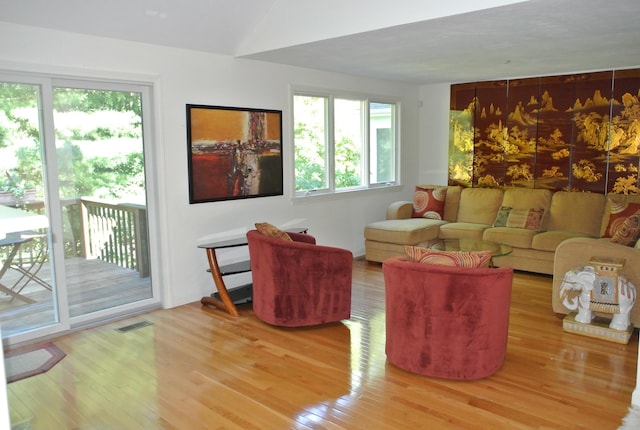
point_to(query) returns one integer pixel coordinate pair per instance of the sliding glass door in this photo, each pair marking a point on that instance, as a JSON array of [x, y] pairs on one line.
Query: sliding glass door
[[72, 157], [27, 276]]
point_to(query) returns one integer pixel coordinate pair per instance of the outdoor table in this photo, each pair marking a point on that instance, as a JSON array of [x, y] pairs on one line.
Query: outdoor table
[[16, 229]]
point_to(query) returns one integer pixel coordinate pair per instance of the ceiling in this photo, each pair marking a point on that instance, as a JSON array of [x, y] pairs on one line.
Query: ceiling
[[525, 38]]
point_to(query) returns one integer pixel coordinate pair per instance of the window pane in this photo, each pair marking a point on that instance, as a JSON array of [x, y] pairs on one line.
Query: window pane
[[100, 160], [310, 142], [27, 282], [382, 137], [349, 142]]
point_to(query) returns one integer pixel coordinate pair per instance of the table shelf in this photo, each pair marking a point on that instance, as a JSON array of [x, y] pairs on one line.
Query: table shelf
[[223, 299], [235, 268]]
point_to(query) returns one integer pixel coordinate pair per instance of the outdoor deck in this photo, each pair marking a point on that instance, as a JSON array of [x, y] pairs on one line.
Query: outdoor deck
[[92, 285]]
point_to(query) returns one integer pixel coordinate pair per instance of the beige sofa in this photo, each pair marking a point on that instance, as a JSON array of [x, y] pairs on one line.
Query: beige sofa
[[471, 212], [569, 236]]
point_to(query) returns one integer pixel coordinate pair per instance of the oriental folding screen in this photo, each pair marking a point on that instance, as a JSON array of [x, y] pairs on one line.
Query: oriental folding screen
[[572, 132]]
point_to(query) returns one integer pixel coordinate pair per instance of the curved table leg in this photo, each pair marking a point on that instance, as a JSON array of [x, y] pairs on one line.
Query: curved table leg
[[225, 303]]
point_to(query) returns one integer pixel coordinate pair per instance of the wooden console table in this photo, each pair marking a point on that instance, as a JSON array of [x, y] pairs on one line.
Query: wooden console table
[[225, 302]]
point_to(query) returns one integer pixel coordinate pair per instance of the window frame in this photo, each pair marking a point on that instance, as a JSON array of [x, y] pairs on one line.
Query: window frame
[[365, 124]]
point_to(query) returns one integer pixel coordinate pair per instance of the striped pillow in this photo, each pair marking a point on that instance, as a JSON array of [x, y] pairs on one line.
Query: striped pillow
[[469, 259], [531, 219]]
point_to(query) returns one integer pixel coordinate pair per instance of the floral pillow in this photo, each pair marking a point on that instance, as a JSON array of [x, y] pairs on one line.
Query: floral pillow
[[624, 223], [530, 219], [270, 230], [468, 259], [503, 215], [429, 202]]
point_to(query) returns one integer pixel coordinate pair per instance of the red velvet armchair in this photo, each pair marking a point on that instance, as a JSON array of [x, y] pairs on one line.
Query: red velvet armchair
[[447, 322], [298, 283]]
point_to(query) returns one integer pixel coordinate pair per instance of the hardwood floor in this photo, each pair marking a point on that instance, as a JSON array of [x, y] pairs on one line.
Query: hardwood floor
[[198, 368]]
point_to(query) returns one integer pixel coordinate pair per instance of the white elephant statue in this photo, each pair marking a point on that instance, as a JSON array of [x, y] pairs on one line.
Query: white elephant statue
[[582, 280]]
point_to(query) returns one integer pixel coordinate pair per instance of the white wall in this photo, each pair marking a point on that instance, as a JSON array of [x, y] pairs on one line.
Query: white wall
[[181, 77], [434, 134]]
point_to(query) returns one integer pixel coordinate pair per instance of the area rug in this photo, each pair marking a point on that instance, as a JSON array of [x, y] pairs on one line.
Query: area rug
[[23, 363]]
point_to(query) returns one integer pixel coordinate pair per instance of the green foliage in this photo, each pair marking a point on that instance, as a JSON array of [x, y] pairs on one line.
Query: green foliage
[[347, 164], [13, 98], [78, 175], [309, 159], [81, 100]]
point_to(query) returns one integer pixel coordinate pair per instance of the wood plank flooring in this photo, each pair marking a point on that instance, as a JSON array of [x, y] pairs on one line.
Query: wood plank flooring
[[199, 368]]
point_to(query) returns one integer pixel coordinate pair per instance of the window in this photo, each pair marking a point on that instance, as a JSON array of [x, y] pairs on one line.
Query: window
[[343, 143]]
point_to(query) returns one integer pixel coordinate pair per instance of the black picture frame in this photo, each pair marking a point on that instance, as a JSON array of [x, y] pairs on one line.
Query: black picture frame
[[233, 153]]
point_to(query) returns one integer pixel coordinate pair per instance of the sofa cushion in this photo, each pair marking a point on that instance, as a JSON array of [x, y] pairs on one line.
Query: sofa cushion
[[479, 205], [462, 230], [270, 230], [469, 259], [530, 219], [629, 232], [624, 222], [429, 202], [403, 231], [515, 237], [451, 202], [576, 211], [503, 215], [549, 240], [526, 202], [524, 198]]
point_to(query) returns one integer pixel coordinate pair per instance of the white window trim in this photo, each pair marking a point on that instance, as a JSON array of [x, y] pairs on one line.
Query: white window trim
[[332, 94]]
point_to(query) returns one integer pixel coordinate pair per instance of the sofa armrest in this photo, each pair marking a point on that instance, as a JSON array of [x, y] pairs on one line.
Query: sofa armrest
[[400, 210]]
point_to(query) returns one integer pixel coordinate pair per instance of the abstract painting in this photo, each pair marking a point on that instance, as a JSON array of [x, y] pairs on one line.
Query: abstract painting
[[233, 153]]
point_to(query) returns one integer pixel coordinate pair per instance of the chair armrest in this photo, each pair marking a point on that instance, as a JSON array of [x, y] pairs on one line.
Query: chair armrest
[[302, 237], [400, 210]]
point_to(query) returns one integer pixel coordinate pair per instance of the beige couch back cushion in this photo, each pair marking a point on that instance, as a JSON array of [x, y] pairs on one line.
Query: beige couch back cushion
[[576, 211], [479, 205], [529, 198]]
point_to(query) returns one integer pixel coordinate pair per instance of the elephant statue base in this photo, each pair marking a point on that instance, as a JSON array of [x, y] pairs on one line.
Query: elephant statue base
[[588, 291]]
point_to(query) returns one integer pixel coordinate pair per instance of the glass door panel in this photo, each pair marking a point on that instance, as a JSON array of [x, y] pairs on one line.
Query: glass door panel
[[101, 186], [27, 281], [74, 242]]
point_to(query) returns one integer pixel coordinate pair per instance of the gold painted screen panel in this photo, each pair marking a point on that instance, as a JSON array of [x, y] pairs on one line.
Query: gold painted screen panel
[[576, 132]]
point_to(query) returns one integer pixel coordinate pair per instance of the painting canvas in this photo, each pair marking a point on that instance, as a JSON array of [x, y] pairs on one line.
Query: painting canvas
[[234, 153]]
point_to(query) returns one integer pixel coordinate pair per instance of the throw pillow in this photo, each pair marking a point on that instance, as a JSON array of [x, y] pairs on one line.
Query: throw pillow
[[623, 227], [531, 219], [429, 202], [270, 230], [503, 215], [469, 259]]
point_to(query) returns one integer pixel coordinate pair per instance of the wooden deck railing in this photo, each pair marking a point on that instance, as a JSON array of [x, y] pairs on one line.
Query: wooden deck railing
[[95, 229], [116, 234]]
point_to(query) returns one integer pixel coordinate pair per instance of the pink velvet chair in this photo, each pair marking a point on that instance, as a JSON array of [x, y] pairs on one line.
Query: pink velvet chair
[[299, 283], [447, 322]]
